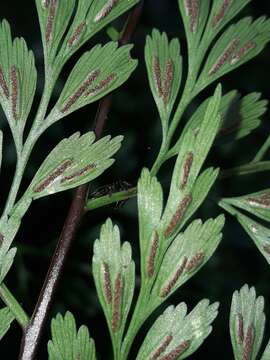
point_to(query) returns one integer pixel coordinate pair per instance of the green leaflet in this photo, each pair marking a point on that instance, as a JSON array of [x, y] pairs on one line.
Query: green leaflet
[[98, 72], [258, 233], [18, 78], [74, 161], [153, 242], [6, 260], [239, 43], [9, 227], [257, 204], [6, 318], [54, 17], [221, 13], [67, 343], [92, 16], [239, 116], [188, 252], [150, 207], [164, 68], [194, 14], [250, 168], [114, 275], [60, 38], [176, 334], [192, 154], [247, 321]]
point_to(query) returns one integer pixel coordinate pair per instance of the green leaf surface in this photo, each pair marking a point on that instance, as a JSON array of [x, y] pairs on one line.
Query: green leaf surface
[[150, 207], [98, 72], [247, 321], [239, 116], [258, 233], [54, 17], [6, 318], [91, 16], [257, 204], [67, 343], [164, 68], [194, 14], [18, 78], [73, 162], [186, 255], [239, 43], [176, 334], [250, 168], [192, 154], [222, 12], [114, 275], [8, 230]]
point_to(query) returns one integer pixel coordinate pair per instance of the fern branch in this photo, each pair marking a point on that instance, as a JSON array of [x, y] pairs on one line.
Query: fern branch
[[32, 333]]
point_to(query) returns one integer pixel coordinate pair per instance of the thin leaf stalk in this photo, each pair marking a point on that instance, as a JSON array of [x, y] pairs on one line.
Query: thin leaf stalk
[[13, 305], [140, 314], [188, 95], [263, 150], [23, 156], [96, 203]]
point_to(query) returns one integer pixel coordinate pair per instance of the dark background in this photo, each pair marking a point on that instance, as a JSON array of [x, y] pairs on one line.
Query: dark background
[[237, 260]]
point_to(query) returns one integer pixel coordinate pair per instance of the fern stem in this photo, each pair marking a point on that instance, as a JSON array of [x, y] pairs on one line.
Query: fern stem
[[23, 156], [32, 335], [14, 306], [249, 168]]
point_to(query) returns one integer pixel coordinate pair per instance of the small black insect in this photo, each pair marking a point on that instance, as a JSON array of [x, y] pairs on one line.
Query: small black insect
[[109, 189]]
